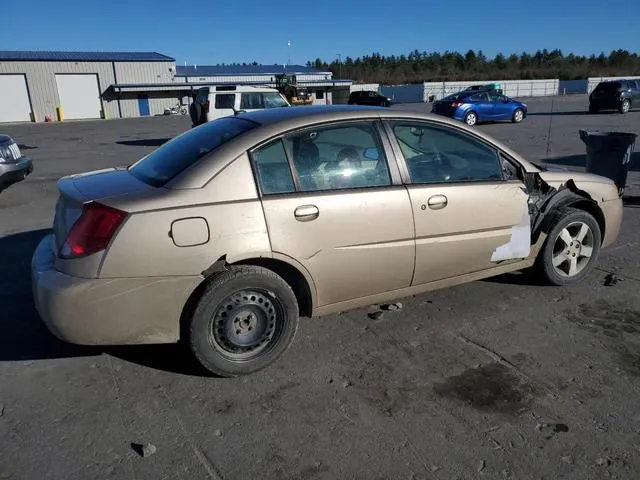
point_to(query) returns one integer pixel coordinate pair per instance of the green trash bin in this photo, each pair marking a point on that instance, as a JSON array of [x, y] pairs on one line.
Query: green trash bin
[[609, 154]]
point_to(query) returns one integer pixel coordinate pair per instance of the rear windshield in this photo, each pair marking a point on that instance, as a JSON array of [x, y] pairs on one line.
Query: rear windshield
[[457, 96], [168, 161]]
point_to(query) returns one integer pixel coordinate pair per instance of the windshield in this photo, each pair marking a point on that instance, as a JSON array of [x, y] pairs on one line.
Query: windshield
[[274, 100], [166, 162]]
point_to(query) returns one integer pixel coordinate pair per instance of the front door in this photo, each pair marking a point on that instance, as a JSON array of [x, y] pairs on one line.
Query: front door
[[333, 203], [501, 106], [468, 218]]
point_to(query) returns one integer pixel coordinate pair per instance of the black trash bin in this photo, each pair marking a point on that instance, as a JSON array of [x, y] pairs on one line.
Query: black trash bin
[[609, 154]]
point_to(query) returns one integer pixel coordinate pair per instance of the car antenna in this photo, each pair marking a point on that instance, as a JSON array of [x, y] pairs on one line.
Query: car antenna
[[236, 112], [553, 99]]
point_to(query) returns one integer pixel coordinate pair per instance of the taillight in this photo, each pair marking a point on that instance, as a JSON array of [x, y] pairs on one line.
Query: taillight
[[93, 231], [456, 104]]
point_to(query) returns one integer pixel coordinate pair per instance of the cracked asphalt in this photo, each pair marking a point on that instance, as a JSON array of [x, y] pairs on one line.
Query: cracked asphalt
[[497, 379]]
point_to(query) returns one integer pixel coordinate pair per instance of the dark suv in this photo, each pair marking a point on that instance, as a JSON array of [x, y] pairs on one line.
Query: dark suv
[[367, 97], [619, 95]]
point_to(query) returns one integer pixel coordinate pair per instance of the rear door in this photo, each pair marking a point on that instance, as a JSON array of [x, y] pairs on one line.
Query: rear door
[[484, 108], [468, 217], [335, 205]]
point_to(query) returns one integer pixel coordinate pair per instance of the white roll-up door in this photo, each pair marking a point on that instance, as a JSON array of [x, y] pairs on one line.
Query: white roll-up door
[[79, 96], [14, 99]]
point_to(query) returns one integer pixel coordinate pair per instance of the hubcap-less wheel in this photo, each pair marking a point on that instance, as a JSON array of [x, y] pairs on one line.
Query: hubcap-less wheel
[[572, 249], [246, 324], [471, 118], [518, 116]]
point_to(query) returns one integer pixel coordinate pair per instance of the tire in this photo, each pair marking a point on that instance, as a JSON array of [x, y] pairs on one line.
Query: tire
[[570, 255], [237, 302], [471, 118], [625, 106], [593, 109], [518, 115]]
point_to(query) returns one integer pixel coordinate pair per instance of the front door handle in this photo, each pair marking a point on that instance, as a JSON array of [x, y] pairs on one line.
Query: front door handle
[[306, 213], [437, 202]]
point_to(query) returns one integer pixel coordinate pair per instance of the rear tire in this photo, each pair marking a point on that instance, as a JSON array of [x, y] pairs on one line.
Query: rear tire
[[471, 118], [571, 249], [625, 106], [245, 320], [518, 115], [593, 109]]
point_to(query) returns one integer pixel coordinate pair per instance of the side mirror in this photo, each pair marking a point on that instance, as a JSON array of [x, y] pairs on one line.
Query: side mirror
[[371, 153]]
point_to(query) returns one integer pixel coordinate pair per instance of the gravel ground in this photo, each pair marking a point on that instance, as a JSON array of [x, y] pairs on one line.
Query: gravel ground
[[497, 379]]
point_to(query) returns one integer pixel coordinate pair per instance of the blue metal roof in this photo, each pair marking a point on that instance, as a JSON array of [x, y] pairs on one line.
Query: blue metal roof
[[49, 56], [220, 70]]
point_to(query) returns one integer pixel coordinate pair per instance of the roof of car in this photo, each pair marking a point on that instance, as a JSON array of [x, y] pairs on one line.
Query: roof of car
[[271, 116]]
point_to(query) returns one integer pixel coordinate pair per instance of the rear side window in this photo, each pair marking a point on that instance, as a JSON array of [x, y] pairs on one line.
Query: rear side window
[[609, 86], [225, 100], [168, 161], [272, 169]]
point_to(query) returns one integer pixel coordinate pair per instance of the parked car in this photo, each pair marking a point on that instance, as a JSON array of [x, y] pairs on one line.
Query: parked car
[[621, 95], [222, 100], [368, 97], [472, 107], [225, 235], [14, 167]]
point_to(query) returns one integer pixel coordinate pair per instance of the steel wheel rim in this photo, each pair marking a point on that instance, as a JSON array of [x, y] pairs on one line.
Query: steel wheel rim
[[519, 115], [471, 119], [246, 325], [573, 249]]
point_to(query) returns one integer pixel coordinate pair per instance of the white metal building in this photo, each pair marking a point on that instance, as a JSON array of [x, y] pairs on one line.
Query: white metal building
[[34, 84]]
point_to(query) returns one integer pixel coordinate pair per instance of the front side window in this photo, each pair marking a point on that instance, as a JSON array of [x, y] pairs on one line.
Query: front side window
[[441, 154], [251, 100], [168, 161], [338, 157]]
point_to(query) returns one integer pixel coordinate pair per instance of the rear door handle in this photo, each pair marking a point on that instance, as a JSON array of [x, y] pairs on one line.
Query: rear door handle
[[437, 202], [306, 213]]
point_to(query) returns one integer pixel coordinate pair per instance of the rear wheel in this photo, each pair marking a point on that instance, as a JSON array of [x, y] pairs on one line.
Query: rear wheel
[[245, 320], [471, 118], [593, 109], [625, 106], [518, 115], [571, 249]]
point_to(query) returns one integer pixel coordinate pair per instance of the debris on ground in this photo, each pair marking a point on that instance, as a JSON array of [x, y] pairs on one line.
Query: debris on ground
[[603, 461], [1, 409], [144, 450], [392, 307], [346, 384], [376, 315], [482, 466], [612, 279], [568, 459], [217, 432], [549, 429]]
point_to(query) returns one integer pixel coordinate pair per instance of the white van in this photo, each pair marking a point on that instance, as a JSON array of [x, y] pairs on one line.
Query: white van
[[221, 100]]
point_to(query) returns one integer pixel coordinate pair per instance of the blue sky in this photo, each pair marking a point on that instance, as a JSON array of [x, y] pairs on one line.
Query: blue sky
[[210, 32]]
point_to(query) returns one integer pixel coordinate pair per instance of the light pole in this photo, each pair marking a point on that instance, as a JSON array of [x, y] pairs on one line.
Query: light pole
[[339, 65]]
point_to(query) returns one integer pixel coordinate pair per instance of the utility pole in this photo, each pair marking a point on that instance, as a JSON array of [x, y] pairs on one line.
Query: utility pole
[[289, 52], [339, 64]]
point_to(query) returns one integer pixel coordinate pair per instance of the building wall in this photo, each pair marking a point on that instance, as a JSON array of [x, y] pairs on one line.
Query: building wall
[[158, 101], [250, 78], [359, 87], [43, 90], [412, 93]]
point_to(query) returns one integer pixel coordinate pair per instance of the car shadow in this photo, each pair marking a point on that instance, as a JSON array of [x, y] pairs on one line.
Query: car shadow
[[23, 335], [146, 142], [632, 201], [561, 114], [527, 278]]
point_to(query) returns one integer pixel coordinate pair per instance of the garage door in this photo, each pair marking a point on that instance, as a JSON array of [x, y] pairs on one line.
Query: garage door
[[14, 100], [79, 96]]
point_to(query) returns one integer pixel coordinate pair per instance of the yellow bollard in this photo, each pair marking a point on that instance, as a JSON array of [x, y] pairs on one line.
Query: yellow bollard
[[60, 114]]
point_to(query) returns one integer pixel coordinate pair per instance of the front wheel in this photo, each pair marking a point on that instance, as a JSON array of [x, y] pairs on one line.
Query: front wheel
[[471, 118], [625, 106], [571, 249], [245, 320], [518, 115]]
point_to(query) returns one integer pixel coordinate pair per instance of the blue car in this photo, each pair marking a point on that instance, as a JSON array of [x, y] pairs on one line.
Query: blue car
[[472, 107]]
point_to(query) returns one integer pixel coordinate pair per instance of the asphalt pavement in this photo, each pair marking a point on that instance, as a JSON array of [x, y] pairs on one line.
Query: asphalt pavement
[[497, 379]]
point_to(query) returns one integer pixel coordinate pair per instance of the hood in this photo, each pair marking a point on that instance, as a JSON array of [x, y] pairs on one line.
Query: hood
[[599, 188]]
